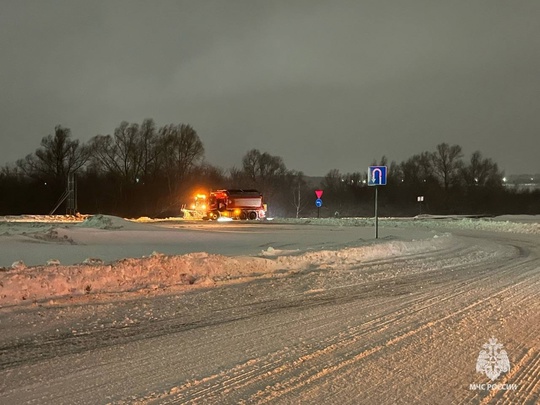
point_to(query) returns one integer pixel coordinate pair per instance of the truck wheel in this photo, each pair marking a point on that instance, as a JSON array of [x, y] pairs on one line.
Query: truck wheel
[[252, 215], [243, 215]]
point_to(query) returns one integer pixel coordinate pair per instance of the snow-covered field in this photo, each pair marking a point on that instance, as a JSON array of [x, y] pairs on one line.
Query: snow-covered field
[[71, 256], [103, 254], [101, 309]]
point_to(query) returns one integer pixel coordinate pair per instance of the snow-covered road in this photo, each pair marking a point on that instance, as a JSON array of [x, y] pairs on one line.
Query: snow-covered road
[[114, 239], [343, 327]]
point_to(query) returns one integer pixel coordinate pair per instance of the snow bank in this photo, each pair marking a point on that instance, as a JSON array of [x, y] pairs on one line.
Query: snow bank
[[159, 273], [34, 224], [110, 222], [516, 225], [9, 228], [44, 218], [484, 224]]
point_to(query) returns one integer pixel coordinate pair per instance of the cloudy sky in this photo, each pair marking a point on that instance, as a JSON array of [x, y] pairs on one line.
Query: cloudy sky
[[324, 84]]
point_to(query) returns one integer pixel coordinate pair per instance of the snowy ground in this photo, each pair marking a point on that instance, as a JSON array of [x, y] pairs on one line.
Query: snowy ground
[[101, 309]]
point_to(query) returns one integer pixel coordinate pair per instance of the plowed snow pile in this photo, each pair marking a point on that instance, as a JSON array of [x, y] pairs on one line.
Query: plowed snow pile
[[109, 222], [160, 272]]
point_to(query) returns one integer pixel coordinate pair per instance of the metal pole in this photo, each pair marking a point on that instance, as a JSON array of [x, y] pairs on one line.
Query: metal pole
[[71, 195], [318, 212], [376, 213], [76, 208]]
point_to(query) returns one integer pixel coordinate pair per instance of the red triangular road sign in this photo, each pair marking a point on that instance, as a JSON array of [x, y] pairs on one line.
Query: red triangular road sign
[[318, 193]]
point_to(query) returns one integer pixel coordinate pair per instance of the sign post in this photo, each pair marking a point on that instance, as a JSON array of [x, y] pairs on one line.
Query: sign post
[[377, 177], [318, 202], [420, 199], [376, 213]]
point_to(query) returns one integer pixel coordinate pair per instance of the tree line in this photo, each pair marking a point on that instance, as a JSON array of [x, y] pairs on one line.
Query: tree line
[[447, 182], [146, 170]]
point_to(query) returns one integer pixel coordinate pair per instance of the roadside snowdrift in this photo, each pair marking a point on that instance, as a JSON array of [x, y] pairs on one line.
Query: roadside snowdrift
[[109, 222], [105, 239], [161, 273], [509, 223]]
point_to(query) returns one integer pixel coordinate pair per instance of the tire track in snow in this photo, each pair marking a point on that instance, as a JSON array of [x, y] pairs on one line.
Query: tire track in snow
[[61, 344], [526, 371], [397, 312], [395, 317], [330, 347], [308, 377]]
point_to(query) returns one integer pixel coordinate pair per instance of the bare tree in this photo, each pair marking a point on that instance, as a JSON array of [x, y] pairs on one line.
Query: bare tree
[[181, 149], [482, 172], [333, 181], [271, 166], [150, 151], [121, 154], [262, 167], [298, 188], [57, 156], [250, 164], [264, 171], [417, 170], [447, 163]]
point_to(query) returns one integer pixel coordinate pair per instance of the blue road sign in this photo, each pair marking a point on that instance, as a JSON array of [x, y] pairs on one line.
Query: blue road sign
[[318, 202], [377, 176]]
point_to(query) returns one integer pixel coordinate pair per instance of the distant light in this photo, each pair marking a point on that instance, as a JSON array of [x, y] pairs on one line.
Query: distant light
[[476, 179], [504, 179], [364, 181], [137, 180]]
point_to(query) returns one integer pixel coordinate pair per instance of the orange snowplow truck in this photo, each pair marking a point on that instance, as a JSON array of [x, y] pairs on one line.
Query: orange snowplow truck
[[235, 204]]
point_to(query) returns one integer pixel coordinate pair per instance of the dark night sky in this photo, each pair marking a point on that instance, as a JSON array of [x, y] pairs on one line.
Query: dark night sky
[[324, 84]]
